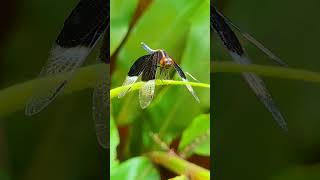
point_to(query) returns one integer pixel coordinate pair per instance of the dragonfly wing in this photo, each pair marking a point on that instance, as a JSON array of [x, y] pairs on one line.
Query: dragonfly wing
[[252, 40], [61, 60], [101, 109], [101, 96], [261, 91], [79, 34], [184, 78], [135, 71], [146, 92], [238, 54]]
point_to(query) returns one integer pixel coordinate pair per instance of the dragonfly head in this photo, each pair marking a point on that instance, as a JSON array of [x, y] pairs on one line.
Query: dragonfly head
[[166, 62]]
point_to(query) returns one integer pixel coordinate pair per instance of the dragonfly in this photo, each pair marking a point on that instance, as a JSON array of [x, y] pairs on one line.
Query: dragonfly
[[222, 26], [87, 24], [146, 66]]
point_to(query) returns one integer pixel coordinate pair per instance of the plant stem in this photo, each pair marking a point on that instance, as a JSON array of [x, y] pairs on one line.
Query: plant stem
[[116, 91], [178, 165], [269, 71], [15, 97]]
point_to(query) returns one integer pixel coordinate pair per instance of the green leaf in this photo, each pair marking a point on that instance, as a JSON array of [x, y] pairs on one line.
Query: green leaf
[[196, 138], [182, 177], [114, 142], [135, 169], [121, 13]]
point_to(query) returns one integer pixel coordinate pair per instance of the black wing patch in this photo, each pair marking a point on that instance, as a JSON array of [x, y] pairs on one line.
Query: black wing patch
[[149, 72], [226, 34], [85, 24], [135, 71]]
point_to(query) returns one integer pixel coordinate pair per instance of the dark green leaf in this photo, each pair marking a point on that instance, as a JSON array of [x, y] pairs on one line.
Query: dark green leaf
[[135, 169]]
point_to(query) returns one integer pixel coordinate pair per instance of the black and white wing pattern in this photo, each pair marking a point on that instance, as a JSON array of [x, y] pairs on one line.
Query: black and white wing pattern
[[79, 35], [146, 92], [146, 67], [184, 78], [239, 55], [134, 73]]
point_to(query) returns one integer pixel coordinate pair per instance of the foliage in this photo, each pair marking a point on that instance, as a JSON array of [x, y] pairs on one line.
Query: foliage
[[60, 142], [181, 29]]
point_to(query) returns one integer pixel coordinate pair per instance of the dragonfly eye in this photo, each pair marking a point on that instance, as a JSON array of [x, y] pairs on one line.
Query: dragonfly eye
[[168, 62]]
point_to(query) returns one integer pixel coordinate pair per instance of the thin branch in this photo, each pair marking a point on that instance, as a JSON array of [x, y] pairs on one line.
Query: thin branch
[[269, 71], [15, 97], [136, 86], [179, 166]]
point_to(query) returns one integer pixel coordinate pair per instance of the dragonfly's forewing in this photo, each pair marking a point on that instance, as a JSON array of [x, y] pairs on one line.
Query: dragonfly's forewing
[[135, 71], [146, 92], [184, 78], [255, 42], [238, 54], [80, 33]]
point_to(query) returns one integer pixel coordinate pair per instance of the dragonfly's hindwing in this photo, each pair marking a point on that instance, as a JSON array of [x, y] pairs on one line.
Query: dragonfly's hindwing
[[101, 108]]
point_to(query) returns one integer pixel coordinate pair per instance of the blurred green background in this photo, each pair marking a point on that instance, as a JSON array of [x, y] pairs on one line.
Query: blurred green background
[[182, 29], [60, 142], [247, 142]]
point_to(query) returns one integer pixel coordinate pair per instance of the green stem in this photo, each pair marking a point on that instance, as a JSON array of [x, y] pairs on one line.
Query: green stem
[[178, 165], [116, 91], [269, 71], [15, 97]]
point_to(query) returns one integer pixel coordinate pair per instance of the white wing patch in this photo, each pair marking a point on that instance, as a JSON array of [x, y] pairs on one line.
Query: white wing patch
[[146, 93], [60, 60], [127, 85]]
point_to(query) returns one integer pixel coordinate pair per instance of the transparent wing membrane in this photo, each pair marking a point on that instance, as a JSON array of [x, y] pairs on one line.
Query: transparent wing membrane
[[135, 71], [61, 60], [184, 78], [101, 108], [261, 91], [146, 93], [127, 85]]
